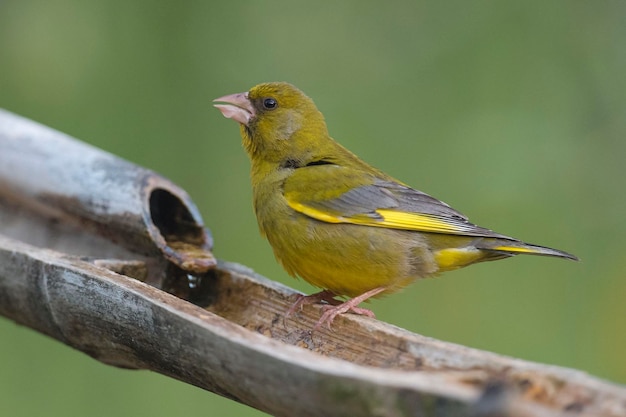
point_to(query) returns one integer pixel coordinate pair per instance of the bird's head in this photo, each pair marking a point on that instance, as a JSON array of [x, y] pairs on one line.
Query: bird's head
[[278, 121]]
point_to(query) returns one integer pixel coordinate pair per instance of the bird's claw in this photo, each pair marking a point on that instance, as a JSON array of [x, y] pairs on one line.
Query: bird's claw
[[331, 312]]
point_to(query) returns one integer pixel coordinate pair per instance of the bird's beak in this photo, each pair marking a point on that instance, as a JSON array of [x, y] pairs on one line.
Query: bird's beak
[[236, 107]]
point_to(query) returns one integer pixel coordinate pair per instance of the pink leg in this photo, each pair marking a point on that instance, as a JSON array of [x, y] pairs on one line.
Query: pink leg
[[302, 300], [350, 305]]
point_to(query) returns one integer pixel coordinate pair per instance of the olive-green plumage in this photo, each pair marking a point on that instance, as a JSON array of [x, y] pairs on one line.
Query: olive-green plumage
[[339, 223]]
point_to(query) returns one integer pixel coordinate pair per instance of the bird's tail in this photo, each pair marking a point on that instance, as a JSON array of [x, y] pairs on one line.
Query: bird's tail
[[514, 247]]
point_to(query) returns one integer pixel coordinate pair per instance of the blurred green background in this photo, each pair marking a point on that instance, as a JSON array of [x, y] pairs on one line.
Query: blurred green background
[[512, 112]]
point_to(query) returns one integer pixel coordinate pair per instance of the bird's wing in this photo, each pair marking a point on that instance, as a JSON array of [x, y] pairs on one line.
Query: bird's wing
[[336, 194]]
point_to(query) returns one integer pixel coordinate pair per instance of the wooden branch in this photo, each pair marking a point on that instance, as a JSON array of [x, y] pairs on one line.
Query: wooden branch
[[241, 347], [235, 340]]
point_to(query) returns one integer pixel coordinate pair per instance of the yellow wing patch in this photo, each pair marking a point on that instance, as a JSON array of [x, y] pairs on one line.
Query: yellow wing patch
[[417, 221], [314, 213], [387, 218]]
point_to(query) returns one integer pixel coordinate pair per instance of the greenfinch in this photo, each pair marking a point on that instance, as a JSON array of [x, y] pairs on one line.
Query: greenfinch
[[339, 223]]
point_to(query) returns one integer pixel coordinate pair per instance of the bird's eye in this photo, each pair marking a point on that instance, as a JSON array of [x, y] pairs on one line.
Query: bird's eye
[[270, 103]]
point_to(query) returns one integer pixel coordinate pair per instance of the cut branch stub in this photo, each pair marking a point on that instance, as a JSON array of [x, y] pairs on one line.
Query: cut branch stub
[[49, 173]]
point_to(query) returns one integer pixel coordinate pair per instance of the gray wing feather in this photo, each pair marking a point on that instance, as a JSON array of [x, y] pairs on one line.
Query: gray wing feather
[[383, 194]]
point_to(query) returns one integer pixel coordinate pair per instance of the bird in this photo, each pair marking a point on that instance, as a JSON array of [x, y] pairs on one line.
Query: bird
[[339, 223]]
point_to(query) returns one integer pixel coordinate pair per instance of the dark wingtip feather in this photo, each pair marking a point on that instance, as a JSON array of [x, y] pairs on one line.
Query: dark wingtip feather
[[526, 248]]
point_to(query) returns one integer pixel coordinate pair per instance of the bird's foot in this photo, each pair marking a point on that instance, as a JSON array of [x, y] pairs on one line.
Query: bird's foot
[[349, 306], [302, 300]]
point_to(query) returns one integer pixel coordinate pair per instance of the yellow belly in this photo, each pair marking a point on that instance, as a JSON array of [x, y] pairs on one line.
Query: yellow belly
[[351, 259]]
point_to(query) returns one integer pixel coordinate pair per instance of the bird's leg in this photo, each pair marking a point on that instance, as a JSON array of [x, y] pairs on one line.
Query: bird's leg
[[302, 300], [350, 305]]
